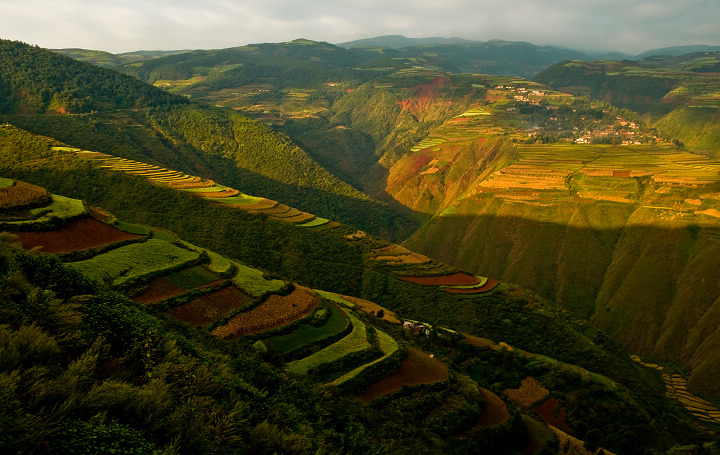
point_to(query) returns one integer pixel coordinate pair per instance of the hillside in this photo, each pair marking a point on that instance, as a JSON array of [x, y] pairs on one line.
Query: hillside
[[137, 121], [448, 148], [559, 219], [109, 60], [174, 283], [679, 94]]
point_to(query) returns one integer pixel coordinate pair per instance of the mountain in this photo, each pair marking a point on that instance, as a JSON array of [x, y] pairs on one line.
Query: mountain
[[149, 285], [441, 146], [677, 51], [138, 121], [398, 41], [579, 200], [109, 60]]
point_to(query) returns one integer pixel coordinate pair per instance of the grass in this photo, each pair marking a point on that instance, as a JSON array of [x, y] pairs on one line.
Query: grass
[[356, 341], [4, 183], [135, 261], [132, 228], [306, 334], [253, 282], [218, 263], [388, 346], [314, 223], [61, 207]]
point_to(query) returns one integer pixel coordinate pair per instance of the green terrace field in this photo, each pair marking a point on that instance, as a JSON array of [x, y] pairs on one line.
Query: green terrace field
[[306, 334], [136, 261], [355, 342]]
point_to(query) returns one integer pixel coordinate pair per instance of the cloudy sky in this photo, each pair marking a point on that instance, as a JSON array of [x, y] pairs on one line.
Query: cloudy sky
[[125, 25]]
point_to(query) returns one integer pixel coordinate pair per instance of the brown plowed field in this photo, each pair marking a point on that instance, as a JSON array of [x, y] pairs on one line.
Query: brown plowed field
[[489, 285], [274, 312], [458, 279], [78, 235], [417, 368], [211, 308], [553, 413], [159, 289]]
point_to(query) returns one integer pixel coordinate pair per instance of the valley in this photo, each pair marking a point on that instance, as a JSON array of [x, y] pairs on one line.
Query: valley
[[308, 248]]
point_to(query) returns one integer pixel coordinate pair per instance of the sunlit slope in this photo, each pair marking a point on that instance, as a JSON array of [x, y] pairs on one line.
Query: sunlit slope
[[126, 117], [680, 94], [474, 391], [626, 236]]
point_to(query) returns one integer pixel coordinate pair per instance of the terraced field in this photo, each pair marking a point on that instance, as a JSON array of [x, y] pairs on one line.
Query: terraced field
[[418, 368], [276, 311], [211, 308], [356, 341], [306, 334], [79, 235], [388, 346], [135, 261]]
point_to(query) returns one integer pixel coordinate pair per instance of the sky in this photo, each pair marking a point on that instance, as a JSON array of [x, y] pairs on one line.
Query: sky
[[630, 26]]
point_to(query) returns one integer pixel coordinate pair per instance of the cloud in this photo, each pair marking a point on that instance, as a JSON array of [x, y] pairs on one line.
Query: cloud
[[127, 25]]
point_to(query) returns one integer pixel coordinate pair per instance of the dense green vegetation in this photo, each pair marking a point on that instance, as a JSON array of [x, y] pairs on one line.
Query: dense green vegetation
[[34, 80], [128, 118]]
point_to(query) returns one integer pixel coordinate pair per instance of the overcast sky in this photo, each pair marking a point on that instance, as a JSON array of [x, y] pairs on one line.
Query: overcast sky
[[630, 26]]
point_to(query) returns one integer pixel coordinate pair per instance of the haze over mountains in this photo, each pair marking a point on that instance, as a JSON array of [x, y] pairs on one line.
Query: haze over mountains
[[592, 186]]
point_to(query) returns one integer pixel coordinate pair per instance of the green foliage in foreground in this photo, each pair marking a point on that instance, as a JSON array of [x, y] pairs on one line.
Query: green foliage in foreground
[[134, 261]]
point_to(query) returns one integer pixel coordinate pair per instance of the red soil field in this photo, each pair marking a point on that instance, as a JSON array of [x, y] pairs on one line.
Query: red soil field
[[78, 235], [211, 308], [495, 411], [553, 413], [159, 289], [458, 279], [417, 368], [489, 285], [480, 342]]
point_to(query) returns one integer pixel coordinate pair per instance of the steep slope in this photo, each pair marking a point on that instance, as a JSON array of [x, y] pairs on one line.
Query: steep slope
[[466, 408], [137, 121]]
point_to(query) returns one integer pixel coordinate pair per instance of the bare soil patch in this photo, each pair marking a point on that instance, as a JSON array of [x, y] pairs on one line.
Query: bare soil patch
[[78, 235], [553, 413], [159, 289], [211, 308], [417, 368]]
